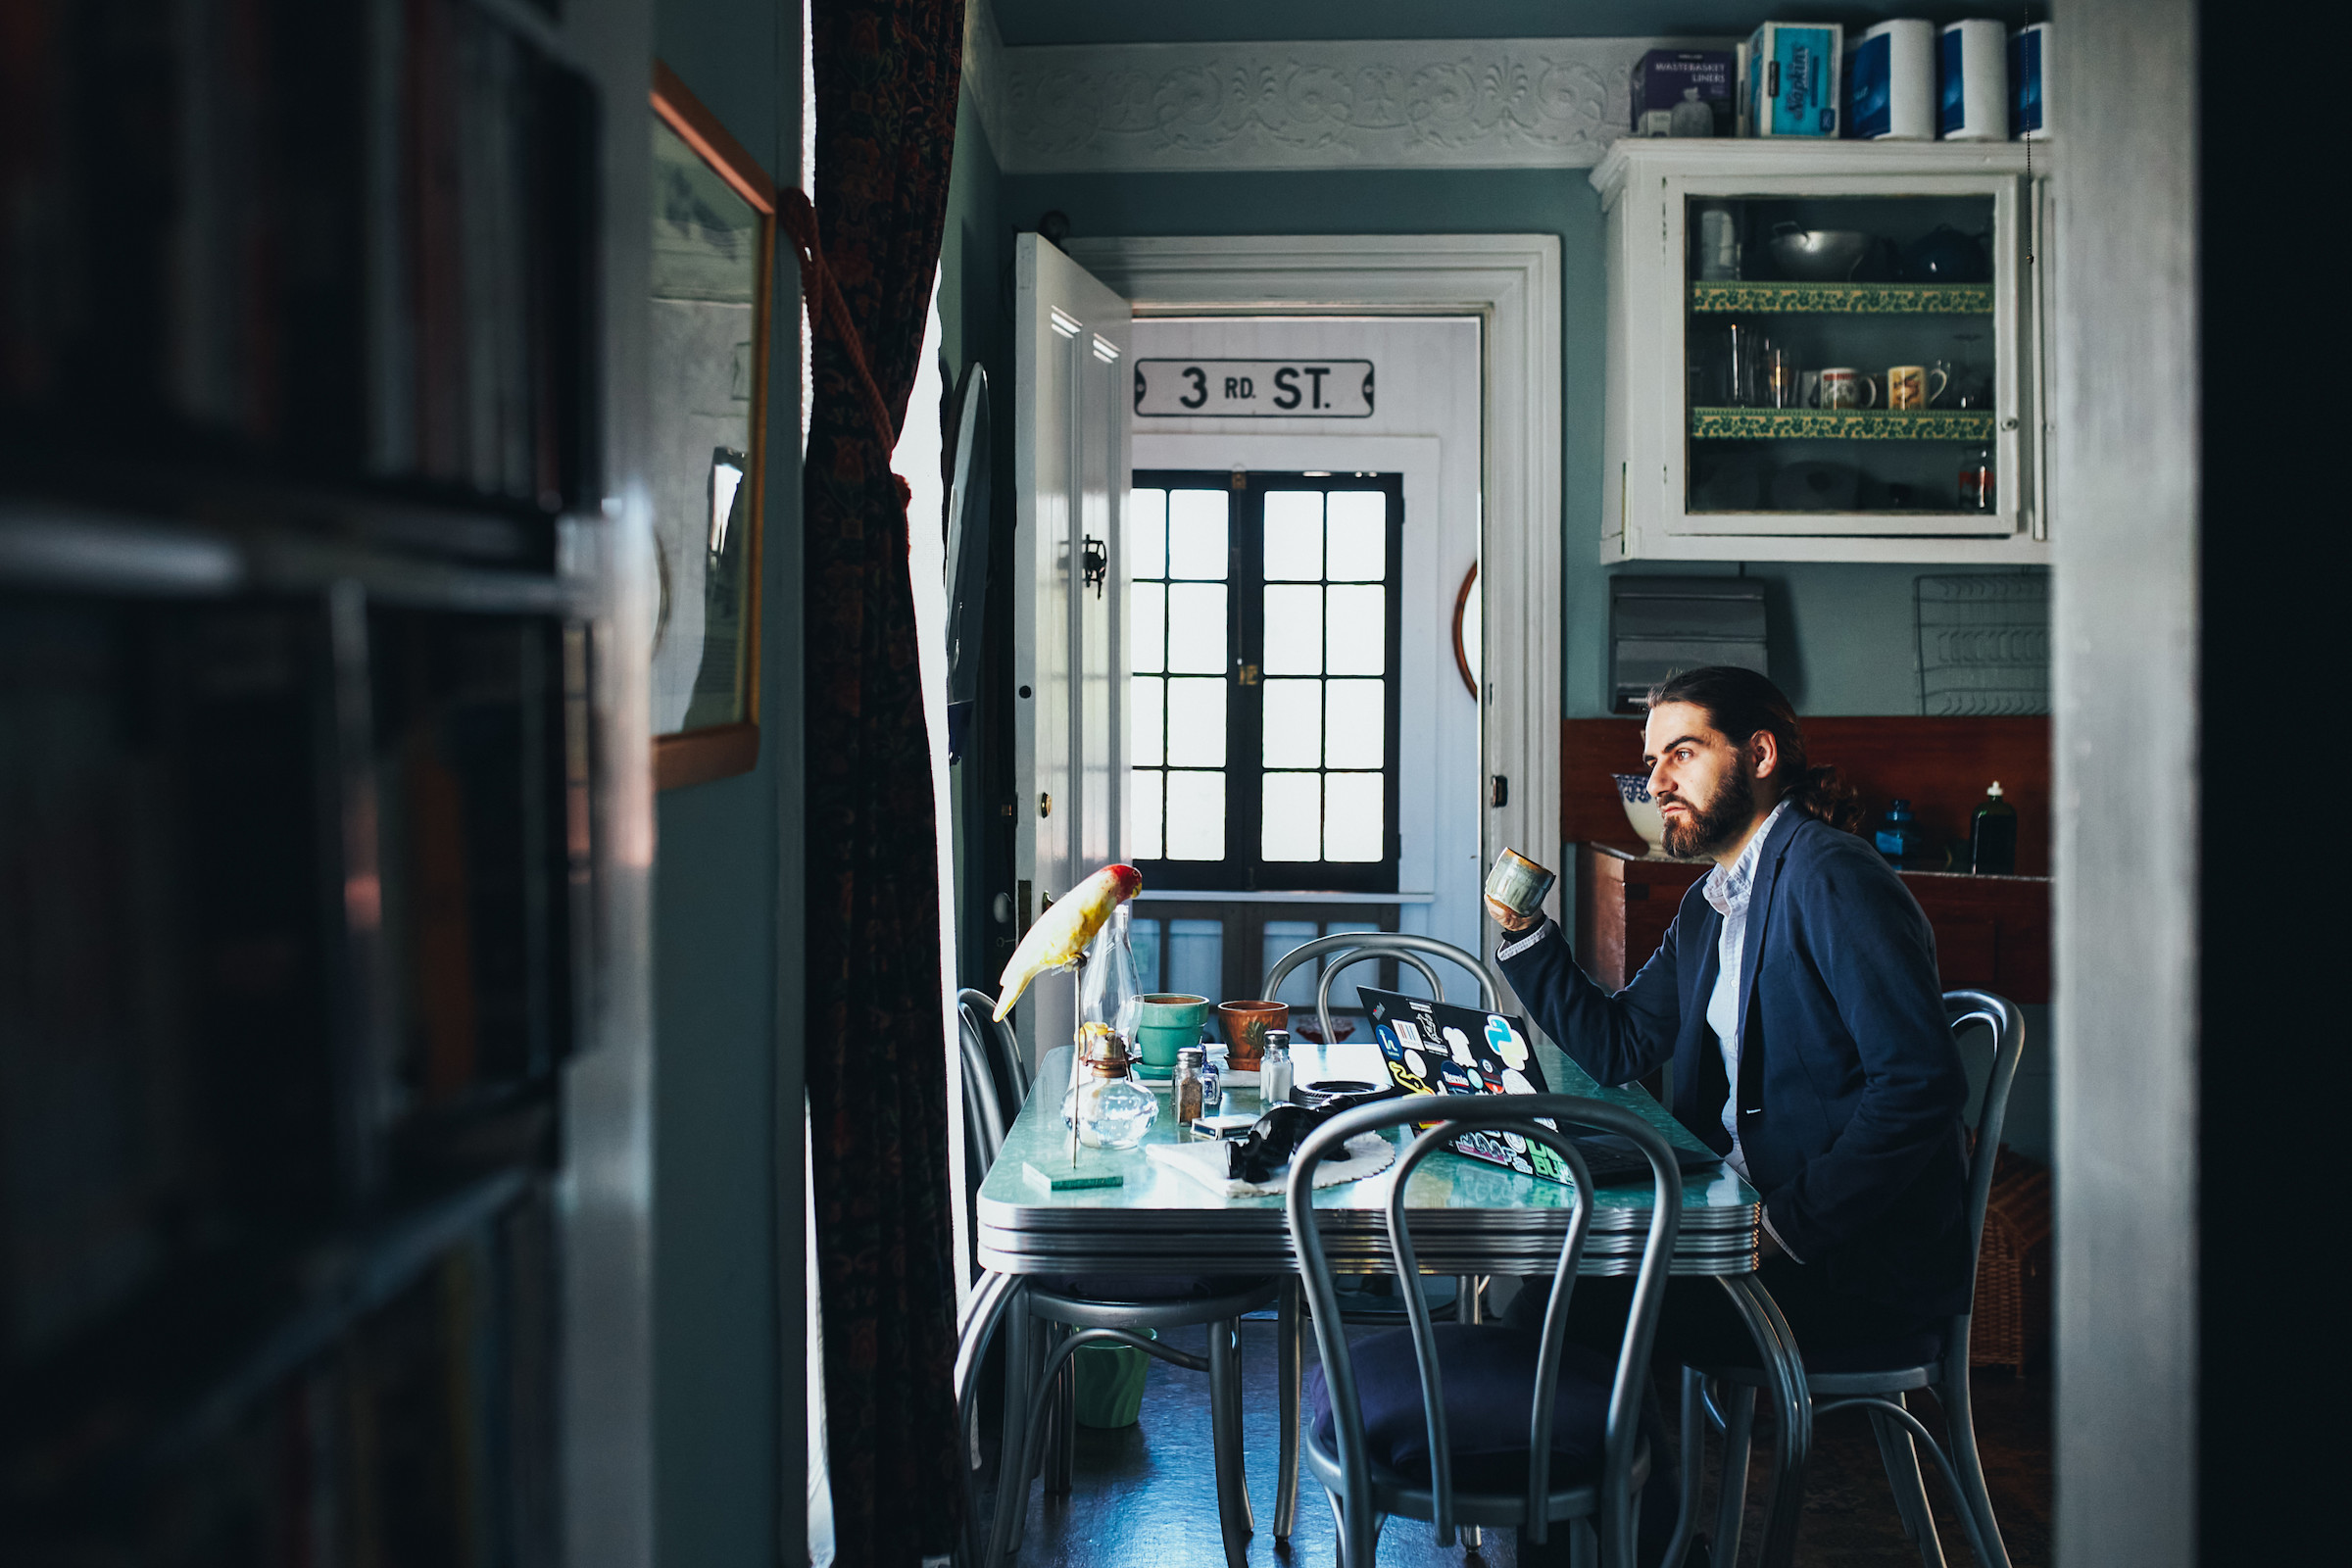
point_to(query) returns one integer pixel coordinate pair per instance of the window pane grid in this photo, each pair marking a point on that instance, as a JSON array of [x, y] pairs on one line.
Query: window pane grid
[[1262, 628], [1325, 742], [1178, 656]]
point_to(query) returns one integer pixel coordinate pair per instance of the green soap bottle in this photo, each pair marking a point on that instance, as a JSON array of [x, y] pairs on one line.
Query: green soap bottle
[[1992, 836]]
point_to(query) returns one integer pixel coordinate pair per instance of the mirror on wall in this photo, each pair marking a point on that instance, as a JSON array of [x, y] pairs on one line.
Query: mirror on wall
[[713, 236]]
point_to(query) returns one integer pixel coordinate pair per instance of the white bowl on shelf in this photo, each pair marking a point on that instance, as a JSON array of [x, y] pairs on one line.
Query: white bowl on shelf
[[1640, 810]]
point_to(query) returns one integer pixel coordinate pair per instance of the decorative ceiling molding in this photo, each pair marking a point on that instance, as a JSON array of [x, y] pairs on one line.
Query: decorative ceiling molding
[[984, 69], [1491, 103]]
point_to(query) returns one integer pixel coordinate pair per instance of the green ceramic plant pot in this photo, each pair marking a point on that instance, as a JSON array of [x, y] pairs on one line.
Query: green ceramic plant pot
[[1111, 1384], [1168, 1023]]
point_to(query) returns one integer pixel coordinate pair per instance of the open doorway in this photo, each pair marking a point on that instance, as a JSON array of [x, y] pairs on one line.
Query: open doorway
[[1487, 448], [1303, 752]]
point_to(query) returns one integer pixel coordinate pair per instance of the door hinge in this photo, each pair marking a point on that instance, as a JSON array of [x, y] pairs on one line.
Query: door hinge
[[1499, 790], [1044, 805]]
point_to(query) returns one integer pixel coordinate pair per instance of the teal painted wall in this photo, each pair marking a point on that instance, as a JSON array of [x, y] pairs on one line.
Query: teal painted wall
[[1840, 634], [728, 1321]]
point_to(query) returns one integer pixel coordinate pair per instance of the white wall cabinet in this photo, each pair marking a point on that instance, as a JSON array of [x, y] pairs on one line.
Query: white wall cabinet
[[1723, 439]]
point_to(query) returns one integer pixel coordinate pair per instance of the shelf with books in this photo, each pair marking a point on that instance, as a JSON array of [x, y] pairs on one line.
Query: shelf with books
[[355, 245], [429, 1323]]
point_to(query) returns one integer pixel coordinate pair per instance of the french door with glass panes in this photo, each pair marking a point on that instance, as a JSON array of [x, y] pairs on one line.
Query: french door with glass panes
[[1264, 743]]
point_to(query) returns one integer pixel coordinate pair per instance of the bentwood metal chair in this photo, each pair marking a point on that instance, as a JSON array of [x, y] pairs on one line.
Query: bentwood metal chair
[[1346, 949], [1725, 1397], [1055, 1318], [1466, 1424]]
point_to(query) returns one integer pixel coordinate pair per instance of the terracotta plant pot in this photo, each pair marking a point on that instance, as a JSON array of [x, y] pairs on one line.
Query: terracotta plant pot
[[1245, 1024]]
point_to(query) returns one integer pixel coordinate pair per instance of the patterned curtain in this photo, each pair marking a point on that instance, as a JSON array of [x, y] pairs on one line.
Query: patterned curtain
[[887, 76]]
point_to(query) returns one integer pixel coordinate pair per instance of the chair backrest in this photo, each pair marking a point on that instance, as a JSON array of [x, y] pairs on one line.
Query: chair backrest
[[1964, 1009], [1524, 1116], [991, 1061], [1362, 947], [1012, 1074]]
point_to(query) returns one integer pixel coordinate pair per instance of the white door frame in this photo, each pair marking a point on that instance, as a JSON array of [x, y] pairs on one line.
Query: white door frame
[[1513, 281]]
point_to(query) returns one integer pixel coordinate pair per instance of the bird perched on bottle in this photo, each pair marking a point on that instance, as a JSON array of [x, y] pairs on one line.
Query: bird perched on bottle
[[1058, 939]]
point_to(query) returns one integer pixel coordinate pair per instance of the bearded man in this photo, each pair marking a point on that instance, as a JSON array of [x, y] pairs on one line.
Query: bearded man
[[1796, 993]]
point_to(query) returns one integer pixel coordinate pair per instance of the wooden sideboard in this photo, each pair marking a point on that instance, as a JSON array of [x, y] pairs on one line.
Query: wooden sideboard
[[1992, 932], [1940, 765]]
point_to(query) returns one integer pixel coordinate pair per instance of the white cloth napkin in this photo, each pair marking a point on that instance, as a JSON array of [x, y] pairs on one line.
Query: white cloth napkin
[[1368, 1155]]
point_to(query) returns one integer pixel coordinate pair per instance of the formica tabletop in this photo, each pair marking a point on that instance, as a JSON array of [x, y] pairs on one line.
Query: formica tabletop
[[1468, 1216]]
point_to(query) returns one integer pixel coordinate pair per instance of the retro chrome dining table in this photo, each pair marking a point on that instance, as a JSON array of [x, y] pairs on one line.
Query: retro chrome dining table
[[1468, 1218]]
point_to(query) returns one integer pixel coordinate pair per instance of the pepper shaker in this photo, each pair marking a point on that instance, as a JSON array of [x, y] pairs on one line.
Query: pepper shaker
[[1185, 1086]]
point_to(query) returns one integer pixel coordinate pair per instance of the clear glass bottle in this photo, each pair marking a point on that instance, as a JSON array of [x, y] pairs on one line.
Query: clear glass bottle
[[1975, 480], [1212, 1080], [1110, 992], [1111, 1109], [1274, 1073]]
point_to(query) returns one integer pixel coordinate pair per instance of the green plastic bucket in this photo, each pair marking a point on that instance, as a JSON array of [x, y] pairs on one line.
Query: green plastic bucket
[[1111, 1384]]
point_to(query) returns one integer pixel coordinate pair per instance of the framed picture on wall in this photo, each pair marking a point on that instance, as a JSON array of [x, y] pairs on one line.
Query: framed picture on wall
[[713, 255]]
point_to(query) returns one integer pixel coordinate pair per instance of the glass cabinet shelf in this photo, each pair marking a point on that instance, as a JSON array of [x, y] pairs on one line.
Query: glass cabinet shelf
[[1842, 298], [1840, 424]]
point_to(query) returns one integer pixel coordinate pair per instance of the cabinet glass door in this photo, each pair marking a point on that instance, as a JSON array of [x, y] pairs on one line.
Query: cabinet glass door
[[1840, 365]]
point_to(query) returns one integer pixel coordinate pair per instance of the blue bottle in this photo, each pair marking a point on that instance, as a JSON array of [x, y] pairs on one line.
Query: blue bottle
[[1898, 837]]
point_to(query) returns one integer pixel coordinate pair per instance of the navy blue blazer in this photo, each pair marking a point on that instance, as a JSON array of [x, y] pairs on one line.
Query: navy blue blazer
[[1850, 1089]]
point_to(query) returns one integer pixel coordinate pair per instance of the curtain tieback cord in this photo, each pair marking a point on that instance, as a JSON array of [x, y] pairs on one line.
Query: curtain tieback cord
[[825, 304]]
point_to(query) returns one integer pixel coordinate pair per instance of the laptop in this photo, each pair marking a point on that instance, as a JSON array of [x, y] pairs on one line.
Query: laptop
[[1440, 1048]]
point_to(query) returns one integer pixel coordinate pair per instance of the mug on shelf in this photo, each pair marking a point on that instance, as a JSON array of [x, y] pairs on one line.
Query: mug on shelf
[[1842, 387], [1907, 385]]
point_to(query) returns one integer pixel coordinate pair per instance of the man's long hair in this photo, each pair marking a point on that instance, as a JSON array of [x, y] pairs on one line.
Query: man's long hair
[[1738, 702]]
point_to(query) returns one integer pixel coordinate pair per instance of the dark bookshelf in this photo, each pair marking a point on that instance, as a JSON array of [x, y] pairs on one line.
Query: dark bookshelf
[[299, 401]]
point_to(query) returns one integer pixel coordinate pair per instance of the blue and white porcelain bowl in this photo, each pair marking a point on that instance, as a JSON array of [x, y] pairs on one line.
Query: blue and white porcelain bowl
[[1640, 810]]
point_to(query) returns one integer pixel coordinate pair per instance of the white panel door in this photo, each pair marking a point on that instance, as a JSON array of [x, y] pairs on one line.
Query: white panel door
[[1070, 468]]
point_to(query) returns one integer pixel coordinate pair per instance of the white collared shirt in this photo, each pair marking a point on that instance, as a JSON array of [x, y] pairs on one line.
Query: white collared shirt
[[1727, 890]]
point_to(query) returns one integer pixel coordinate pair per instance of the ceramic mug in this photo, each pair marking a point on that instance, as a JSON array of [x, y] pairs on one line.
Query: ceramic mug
[[1841, 387], [1907, 385]]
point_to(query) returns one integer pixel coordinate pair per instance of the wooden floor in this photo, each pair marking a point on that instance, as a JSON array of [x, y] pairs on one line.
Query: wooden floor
[[1143, 1495]]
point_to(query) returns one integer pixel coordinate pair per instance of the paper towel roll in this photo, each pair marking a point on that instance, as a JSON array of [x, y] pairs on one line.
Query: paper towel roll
[[1974, 67], [2030, 83], [1890, 84]]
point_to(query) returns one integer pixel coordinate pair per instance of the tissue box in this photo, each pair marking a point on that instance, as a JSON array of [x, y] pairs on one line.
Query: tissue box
[[1665, 74], [1794, 80]]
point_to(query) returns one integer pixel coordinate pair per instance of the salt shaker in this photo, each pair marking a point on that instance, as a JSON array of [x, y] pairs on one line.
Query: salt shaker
[[1275, 1072], [1186, 1085]]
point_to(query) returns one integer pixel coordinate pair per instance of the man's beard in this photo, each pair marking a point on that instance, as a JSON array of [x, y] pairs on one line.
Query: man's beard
[[1716, 824]]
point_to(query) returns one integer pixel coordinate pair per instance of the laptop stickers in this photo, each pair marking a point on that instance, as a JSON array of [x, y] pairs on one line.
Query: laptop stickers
[[1436, 1048]]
